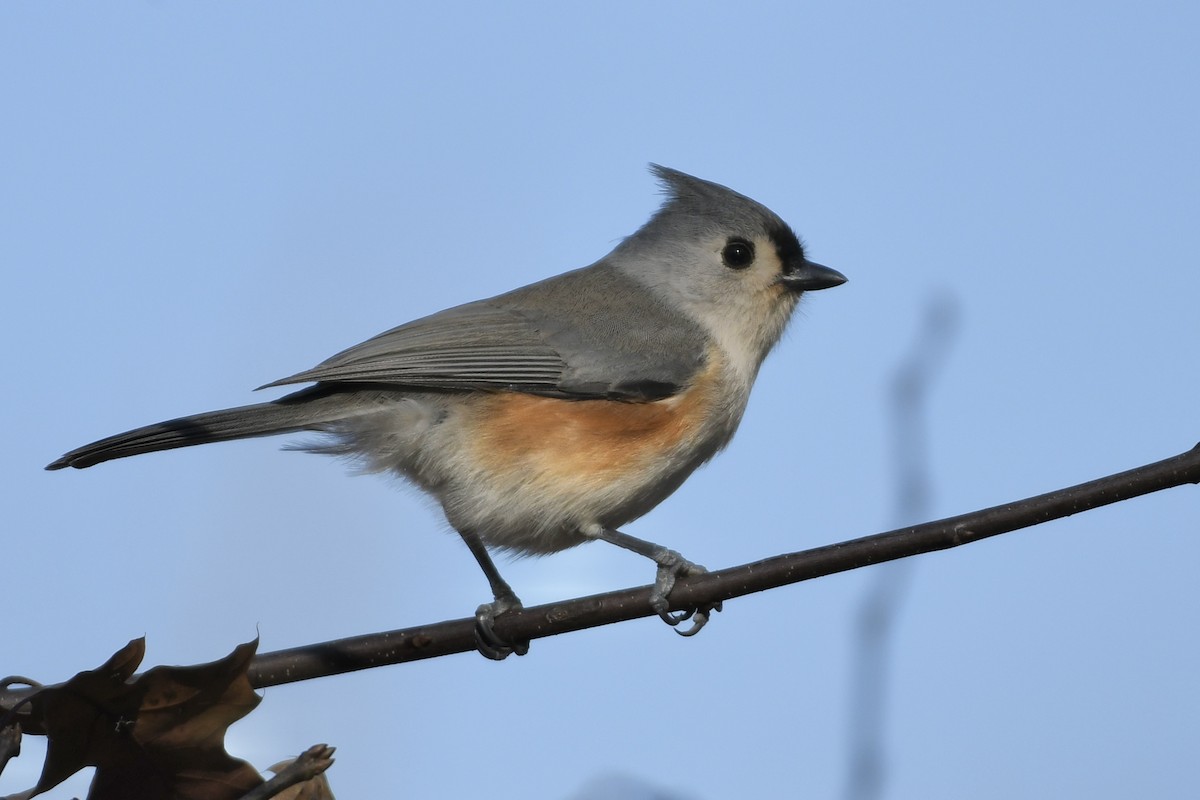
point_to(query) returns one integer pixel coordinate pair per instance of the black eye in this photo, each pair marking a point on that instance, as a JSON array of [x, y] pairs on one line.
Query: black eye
[[738, 254]]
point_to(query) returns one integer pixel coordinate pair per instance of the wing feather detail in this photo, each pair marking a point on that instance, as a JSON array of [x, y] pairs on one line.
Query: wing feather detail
[[561, 337]]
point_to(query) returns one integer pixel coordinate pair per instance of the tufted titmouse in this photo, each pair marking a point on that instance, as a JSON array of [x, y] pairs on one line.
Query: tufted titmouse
[[553, 414]]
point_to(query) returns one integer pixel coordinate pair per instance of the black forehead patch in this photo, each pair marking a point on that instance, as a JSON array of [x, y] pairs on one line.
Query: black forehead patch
[[787, 245]]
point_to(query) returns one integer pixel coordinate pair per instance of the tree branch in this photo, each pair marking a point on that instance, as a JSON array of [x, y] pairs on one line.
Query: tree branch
[[456, 636]]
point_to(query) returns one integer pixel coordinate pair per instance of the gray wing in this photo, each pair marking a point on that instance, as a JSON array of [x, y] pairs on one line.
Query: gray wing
[[589, 333]]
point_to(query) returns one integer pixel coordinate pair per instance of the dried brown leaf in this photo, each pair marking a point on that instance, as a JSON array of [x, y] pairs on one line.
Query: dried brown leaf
[[80, 713], [10, 744], [159, 737]]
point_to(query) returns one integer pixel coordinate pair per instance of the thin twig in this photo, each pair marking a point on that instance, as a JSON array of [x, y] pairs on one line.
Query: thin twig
[[457, 636], [308, 765]]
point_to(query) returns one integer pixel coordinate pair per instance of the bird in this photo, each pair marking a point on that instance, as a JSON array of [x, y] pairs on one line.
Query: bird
[[556, 413]]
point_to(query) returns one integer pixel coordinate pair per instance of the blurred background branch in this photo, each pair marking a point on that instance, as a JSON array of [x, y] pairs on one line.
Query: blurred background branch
[[880, 609]]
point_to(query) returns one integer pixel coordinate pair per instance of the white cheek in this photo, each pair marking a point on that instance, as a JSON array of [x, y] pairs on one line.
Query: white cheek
[[751, 315], [748, 330]]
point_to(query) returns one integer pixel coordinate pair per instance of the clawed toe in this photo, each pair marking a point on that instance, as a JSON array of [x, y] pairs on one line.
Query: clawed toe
[[673, 618], [671, 565], [489, 643], [699, 619]]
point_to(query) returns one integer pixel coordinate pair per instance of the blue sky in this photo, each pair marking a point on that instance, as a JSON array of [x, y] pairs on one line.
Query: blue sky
[[201, 198]]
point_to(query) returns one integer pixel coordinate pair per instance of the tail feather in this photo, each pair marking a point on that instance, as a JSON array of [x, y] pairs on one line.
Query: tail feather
[[304, 410]]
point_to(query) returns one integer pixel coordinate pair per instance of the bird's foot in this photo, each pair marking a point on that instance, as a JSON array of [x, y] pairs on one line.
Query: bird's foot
[[489, 643], [671, 566]]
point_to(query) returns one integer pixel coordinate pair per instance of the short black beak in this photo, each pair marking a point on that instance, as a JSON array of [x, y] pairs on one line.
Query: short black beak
[[810, 276]]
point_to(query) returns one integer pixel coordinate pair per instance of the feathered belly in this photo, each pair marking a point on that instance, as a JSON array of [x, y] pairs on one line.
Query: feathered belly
[[532, 470]]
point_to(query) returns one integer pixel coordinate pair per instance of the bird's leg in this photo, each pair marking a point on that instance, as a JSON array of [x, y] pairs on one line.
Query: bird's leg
[[671, 565], [488, 642]]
